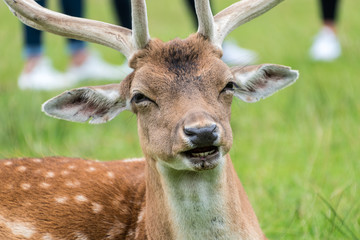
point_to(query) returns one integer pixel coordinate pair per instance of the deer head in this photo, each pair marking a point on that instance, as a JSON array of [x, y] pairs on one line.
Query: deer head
[[181, 91]]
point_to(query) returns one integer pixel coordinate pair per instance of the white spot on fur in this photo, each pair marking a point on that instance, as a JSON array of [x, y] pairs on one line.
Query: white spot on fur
[[134, 160], [47, 237], [96, 207], [50, 174], [80, 198], [110, 174], [44, 185], [37, 160], [72, 167], [131, 233], [65, 173], [117, 229], [25, 186], [21, 168], [8, 163], [80, 236], [91, 169], [139, 220], [141, 215], [72, 183], [21, 229], [61, 199]]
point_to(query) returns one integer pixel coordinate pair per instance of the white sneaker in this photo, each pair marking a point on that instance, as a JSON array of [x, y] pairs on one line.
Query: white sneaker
[[326, 46], [43, 77], [235, 55], [96, 68]]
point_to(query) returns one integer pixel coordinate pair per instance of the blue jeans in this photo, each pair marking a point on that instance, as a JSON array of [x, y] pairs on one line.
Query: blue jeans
[[33, 43]]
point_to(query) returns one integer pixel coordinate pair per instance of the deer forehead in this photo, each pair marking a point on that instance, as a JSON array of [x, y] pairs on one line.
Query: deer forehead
[[179, 68]]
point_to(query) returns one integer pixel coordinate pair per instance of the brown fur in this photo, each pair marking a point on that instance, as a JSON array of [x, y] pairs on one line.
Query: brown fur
[[114, 193]]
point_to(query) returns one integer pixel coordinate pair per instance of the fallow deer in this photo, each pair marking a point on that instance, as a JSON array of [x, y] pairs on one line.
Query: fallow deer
[[181, 91]]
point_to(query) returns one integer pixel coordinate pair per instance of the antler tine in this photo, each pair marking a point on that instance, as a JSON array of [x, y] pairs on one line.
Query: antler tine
[[237, 14], [205, 18], [140, 29], [116, 37]]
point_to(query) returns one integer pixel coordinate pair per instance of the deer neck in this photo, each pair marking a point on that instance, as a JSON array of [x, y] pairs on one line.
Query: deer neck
[[195, 205]]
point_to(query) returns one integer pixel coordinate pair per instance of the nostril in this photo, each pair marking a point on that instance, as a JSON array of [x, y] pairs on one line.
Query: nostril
[[190, 131], [202, 136], [213, 127]]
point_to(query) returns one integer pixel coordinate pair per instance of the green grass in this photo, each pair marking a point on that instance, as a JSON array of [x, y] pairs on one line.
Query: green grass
[[297, 153]]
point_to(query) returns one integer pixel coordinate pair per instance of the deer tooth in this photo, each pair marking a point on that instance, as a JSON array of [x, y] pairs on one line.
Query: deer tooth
[[203, 154]]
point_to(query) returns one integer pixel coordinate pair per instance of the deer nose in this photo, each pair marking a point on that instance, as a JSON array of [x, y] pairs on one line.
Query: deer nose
[[202, 136]]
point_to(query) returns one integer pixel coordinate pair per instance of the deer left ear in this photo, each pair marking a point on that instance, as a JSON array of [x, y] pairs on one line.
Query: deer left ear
[[261, 81], [98, 104]]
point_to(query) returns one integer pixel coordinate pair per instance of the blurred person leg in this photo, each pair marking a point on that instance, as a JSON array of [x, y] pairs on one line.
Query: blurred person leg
[[122, 12], [38, 72], [326, 46], [232, 53], [122, 9], [191, 5], [87, 64]]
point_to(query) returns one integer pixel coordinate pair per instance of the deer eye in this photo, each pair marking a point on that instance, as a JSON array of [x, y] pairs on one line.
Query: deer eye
[[230, 86], [139, 98]]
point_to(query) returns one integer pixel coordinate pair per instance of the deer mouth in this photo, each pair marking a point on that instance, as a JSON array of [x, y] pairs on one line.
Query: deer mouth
[[203, 158]]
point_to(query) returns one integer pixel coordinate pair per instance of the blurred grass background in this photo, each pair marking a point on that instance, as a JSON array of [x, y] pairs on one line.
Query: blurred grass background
[[297, 153]]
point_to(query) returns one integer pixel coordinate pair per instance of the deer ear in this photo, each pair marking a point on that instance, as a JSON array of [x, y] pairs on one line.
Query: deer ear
[[99, 104], [261, 81]]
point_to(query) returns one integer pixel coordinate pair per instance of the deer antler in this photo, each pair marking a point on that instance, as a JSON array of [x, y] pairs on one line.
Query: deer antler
[[140, 30], [205, 18], [218, 27], [116, 37]]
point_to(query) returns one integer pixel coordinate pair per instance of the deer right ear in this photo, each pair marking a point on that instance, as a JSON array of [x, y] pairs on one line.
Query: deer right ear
[[261, 81], [99, 104]]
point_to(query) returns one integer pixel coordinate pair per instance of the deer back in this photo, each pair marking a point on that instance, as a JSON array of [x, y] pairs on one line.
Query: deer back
[[70, 198]]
